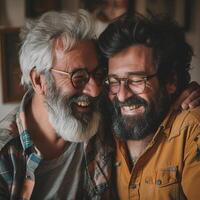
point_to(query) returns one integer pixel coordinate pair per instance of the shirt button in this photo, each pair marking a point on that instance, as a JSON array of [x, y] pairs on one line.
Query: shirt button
[[158, 182], [133, 185]]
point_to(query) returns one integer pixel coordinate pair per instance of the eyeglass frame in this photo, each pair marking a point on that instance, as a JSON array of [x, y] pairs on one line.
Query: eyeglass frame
[[126, 83], [70, 75]]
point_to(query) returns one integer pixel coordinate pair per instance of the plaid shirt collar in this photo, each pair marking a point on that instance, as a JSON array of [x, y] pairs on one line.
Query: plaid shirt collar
[[33, 156]]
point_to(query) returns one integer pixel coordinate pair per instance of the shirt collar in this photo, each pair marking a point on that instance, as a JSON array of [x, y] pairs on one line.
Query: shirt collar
[[25, 137]]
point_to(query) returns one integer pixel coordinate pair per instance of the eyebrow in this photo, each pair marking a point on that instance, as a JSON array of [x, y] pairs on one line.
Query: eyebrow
[[137, 73]]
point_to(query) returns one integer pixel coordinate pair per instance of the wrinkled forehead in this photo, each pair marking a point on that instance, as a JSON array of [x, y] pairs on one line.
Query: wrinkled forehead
[[81, 54], [137, 58]]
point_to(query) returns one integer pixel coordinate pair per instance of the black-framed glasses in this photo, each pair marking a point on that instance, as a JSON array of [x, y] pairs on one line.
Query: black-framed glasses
[[136, 83], [80, 77]]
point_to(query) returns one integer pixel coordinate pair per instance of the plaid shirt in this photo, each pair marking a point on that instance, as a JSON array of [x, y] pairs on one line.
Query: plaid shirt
[[19, 158]]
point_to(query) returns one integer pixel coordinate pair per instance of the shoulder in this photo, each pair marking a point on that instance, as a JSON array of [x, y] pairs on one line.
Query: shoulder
[[8, 128], [191, 122], [191, 116], [186, 123]]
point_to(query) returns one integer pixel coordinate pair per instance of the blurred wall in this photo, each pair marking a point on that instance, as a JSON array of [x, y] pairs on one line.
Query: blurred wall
[[11, 14], [193, 32], [194, 39]]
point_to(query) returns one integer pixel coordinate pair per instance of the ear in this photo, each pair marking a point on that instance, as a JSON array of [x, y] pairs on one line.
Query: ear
[[171, 84], [38, 82]]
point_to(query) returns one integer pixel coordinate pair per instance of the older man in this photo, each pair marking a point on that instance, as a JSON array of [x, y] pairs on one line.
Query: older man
[[48, 147], [158, 145]]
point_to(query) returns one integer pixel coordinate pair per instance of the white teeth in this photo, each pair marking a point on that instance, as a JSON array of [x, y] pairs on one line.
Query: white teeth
[[132, 107], [82, 103]]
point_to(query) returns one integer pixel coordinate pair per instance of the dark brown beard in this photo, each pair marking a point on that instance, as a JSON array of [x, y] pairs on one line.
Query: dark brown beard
[[138, 127]]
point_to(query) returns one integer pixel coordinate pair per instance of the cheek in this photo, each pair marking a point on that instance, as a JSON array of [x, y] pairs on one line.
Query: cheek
[[149, 98], [153, 98], [66, 88], [61, 82], [151, 92]]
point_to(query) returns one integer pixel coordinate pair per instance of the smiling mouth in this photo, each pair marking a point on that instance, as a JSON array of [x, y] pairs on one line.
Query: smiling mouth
[[132, 110], [83, 103], [83, 106]]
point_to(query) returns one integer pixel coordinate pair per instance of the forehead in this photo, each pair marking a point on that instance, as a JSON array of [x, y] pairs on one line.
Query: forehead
[[83, 54], [137, 58]]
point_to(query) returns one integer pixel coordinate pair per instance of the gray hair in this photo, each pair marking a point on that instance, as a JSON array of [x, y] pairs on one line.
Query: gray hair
[[38, 36]]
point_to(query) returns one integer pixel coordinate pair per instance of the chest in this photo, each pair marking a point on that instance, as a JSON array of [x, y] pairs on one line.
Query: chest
[[156, 173], [61, 178]]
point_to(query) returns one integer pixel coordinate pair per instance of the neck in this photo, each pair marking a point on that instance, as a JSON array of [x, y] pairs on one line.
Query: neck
[[137, 147], [42, 133]]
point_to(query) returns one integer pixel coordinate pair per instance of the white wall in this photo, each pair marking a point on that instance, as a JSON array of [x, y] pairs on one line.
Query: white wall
[[194, 39]]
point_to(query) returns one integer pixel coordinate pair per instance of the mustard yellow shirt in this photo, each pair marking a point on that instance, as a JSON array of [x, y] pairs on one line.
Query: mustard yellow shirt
[[169, 167]]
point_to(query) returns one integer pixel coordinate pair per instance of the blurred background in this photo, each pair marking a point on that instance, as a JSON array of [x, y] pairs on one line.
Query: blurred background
[[14, 12]]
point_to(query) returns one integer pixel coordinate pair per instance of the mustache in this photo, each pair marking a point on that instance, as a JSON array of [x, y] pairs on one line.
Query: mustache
[[136, 100]]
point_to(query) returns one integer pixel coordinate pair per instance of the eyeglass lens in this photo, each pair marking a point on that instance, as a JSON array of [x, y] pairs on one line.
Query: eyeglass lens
[[82, 76], [134, 83]]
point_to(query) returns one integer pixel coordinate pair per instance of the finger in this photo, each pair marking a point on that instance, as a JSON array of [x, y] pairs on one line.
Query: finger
[[194, 103], [191, 100], [184, 106], [193, 87]]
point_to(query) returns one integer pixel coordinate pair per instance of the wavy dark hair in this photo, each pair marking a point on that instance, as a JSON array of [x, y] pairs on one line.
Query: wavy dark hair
[[171, 53]]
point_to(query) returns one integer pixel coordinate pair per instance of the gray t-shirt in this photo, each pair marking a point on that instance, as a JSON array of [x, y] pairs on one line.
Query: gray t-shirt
[[61, 178]]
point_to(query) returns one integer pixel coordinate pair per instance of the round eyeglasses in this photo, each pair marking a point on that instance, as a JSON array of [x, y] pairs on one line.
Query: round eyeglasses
[[136, 83], [80, 77]]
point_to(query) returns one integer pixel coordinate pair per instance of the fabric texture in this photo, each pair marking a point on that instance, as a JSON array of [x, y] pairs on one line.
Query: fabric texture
[[169, 167], [19, 159], [61, 178]]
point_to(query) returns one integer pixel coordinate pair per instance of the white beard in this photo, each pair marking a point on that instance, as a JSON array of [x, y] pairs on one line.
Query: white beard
[[71, 129], [64, 122]]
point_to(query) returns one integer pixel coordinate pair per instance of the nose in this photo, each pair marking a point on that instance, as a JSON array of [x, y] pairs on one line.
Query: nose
[[91, 88], [124, 92]]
